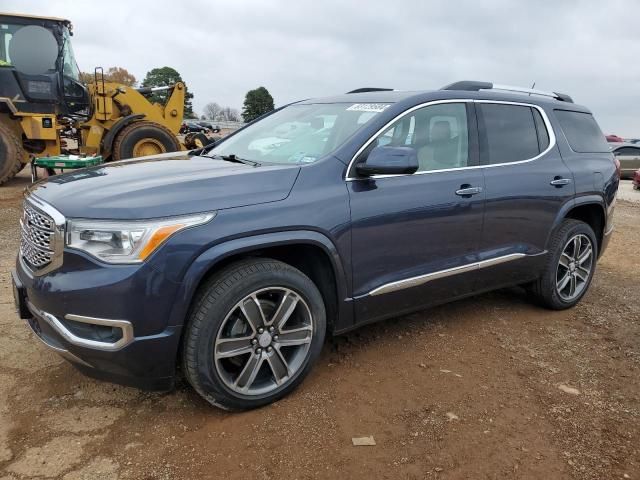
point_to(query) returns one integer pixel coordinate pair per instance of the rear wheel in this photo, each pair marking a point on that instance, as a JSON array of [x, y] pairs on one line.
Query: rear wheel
[[11, 154], [570, 266], [255, 331], [144, 138]]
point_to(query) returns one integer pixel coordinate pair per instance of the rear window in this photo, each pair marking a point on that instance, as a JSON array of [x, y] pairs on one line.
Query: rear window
[[582, 132], [510, 133]]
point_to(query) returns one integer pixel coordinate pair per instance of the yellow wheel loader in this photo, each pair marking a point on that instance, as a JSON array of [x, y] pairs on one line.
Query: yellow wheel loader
[[46, 110]]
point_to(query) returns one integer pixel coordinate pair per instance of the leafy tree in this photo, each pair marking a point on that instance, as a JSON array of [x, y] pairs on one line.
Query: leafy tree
[[230, 115], [86, 78], [160, 77], [120, 75], [257, 102], [212, 111], [113, 74]]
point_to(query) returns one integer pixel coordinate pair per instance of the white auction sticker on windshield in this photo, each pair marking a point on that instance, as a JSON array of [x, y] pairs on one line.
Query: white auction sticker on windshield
[[368, 107]]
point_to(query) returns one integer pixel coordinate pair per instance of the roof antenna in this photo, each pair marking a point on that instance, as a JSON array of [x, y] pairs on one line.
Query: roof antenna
[[532, 85]]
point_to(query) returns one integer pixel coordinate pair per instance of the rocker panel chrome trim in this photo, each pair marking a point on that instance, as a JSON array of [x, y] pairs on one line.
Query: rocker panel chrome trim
[[422, 279]]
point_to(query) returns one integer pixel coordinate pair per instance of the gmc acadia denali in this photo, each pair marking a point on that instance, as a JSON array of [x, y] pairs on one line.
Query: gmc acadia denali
[[231, 263]]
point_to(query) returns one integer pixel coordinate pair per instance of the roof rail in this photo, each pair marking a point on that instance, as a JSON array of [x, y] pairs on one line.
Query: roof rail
[[370, 89], [473, 86]]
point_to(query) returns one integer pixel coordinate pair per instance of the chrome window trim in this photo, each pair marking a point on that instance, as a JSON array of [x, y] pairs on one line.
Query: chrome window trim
[[422, 279], [545, 118], [69, 336], [58, 237]]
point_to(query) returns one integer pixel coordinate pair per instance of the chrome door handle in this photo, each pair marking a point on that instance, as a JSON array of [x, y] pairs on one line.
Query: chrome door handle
[[468, 191], [559, 182]]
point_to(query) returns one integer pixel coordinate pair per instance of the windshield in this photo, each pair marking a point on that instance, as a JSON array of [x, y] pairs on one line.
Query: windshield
[[70, 67], [299, 133]]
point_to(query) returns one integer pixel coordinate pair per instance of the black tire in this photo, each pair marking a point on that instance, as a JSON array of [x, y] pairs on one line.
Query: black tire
[[201, 140], [128, 142], [197, 140], [545, 288], [215, 302], [11, 154]]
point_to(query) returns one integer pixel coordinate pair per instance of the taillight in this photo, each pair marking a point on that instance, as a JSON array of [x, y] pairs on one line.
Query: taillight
[[617, 162]]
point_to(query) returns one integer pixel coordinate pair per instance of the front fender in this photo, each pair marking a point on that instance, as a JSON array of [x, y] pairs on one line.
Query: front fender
[[208, 260]]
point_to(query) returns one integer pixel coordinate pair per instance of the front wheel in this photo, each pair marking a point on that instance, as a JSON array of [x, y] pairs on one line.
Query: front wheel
[[570, 266], [255, 331], [11, 154]]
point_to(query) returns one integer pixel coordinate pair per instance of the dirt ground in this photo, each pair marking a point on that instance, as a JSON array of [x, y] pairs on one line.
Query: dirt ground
[[490, 387]]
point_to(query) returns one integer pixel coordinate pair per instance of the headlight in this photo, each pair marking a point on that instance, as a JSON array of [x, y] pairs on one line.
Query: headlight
[[127, 241]]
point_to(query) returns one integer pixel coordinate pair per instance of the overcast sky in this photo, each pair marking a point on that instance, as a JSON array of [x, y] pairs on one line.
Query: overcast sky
[[299, 49]]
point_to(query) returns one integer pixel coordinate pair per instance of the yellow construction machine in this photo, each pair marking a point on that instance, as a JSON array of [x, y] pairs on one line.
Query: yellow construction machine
[[45, 110]]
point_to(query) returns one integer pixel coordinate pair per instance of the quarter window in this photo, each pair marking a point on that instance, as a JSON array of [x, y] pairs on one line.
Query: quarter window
[[438, 133], [582, 132], [508, 133]]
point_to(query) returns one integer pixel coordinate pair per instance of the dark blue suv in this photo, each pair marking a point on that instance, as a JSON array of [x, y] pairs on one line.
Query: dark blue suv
[[232, 263]]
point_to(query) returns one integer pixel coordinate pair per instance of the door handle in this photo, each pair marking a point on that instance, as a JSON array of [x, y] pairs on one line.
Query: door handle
[[559, 181], [468, 190]]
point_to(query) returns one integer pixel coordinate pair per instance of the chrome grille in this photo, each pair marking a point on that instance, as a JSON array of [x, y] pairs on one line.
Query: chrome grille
[[38, 238]]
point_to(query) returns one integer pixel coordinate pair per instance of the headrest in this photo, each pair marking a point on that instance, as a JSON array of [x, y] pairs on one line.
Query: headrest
[[440, 130]]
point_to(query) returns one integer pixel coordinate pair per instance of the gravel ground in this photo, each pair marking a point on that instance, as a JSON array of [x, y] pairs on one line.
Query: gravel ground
[[627, 193], [490, 387]]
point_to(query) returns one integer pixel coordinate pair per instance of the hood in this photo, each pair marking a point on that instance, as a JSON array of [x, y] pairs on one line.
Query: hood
[[164, 185]]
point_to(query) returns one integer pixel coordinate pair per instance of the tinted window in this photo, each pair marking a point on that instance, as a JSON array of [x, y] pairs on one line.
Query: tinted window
[[543, 134], [632, 151], [582, 132], [509, 133], [437, 132]]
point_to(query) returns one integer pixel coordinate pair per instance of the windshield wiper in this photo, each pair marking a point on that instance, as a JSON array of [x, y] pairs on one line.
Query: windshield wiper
[[234, 158]]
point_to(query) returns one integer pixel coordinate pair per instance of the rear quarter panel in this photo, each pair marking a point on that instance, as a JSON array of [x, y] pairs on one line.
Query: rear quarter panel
[[594, 174]]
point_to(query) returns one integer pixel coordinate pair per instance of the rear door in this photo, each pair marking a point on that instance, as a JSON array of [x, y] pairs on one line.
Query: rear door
[[526, 182]]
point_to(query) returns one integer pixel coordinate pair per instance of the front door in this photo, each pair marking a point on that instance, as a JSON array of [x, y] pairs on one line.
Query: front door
[[415, 237]]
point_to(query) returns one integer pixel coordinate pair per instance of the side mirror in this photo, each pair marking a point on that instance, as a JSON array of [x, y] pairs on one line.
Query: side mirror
[[384, 160]]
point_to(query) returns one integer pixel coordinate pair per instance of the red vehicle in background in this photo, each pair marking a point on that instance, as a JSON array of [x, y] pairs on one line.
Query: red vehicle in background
[[636, 180], [614, 138]]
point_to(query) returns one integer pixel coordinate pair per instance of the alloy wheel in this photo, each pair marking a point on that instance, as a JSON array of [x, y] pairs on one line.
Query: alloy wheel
[[574, 267], [263, 341]]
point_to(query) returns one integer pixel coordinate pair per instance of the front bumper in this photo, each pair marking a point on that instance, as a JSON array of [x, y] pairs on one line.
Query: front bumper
[[80, 312]]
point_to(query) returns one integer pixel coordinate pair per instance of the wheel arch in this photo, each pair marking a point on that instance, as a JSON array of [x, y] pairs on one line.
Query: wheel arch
[[109, 138], [589, 209], [311, 252]]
